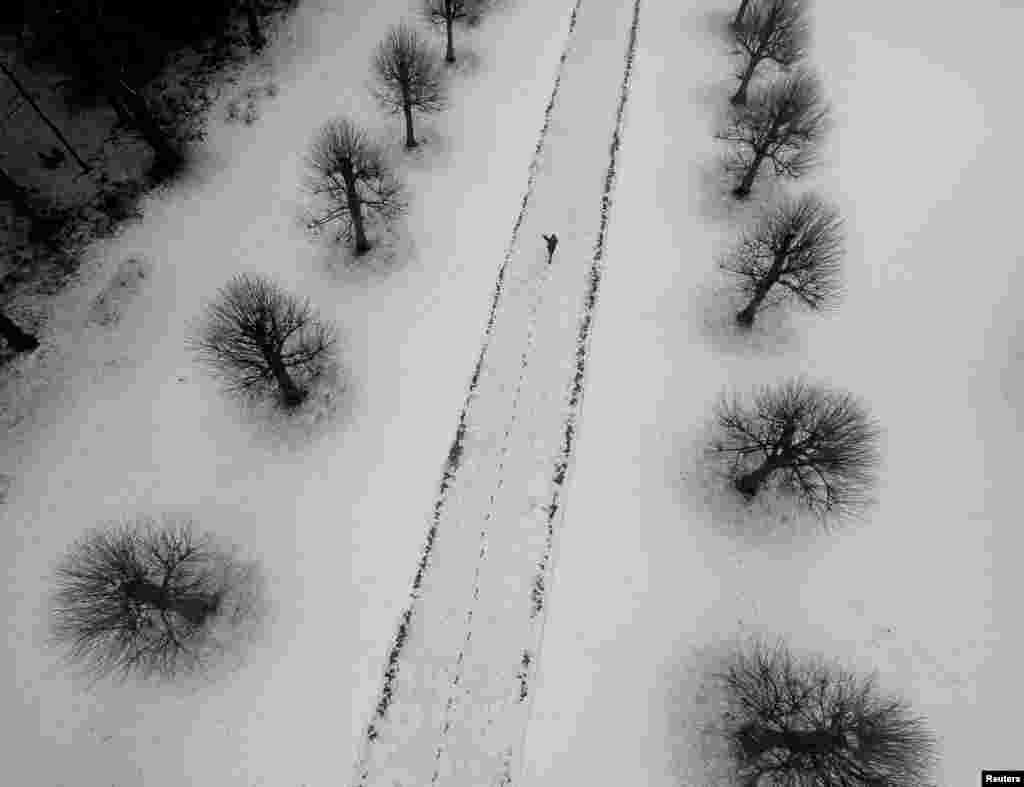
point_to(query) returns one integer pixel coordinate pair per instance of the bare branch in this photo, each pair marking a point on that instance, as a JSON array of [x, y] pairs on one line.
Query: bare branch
[[775, 31], [806, 723], [794, 252], [348, 173], [259, 341], [803, 439], [408, 77], [141, 598], [784, 126]]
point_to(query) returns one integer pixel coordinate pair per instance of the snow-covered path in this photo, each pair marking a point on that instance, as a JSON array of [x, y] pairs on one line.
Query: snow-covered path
[[455, 699]]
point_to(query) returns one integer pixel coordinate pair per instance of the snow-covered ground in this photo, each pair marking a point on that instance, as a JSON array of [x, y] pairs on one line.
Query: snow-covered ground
[[646, 586], [338, 524], [456, 698]]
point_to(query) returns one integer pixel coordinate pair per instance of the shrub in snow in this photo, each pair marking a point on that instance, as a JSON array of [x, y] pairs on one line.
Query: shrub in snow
[[408, 78], [794, 722], [775, 31], [783, 126], [262, 341], [151, 600], [794, 253], [348, 172], [802, 439]]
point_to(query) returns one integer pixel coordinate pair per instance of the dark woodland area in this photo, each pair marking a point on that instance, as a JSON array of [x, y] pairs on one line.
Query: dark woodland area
[[101, 101]]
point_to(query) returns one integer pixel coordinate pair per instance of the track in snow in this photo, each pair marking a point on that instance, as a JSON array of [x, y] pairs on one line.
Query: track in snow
[[455, 702]]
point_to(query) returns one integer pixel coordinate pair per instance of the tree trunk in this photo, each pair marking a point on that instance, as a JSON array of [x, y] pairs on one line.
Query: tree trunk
[[742, 191], [291, 395], [740, 12], [750, 484], [746, 317], [256, 38], [758, 741], [193, 608], [355, 210], [449, 52], [18, 340], [739, 98], [410, 138]]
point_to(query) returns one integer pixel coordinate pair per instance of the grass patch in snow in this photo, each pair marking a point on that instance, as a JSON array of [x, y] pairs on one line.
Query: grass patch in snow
[[126, 283]]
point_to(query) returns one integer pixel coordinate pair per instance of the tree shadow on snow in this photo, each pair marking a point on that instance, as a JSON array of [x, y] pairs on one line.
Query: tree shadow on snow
[[227, 648], [771, 522], [713, 98], [697, 707], [392, 249], [468, 63], [713, 310], [433, 151], [714, 200], [715, 23], [276, 429], [694, 706]]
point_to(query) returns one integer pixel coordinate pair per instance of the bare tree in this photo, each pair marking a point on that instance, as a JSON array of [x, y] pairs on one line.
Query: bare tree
[[19, 340], [349, 172], [448, 13], [775, 31], [148, 599], [817, 444], [408, 77], [784, 126], [261, 341], [793, 722], [794, 252]]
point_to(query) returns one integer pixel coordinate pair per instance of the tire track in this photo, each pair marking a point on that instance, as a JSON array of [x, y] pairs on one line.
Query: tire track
[[527, 660], [530, 663], [488, 517], [481, 622], [455, 451]]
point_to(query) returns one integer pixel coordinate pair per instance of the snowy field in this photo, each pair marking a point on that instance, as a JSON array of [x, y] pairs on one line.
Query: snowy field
[[650, 578]]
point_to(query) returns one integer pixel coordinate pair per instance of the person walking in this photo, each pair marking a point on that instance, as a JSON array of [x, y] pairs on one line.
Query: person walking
[[552, 241]]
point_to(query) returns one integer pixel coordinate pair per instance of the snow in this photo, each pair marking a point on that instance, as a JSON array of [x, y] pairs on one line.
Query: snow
[[455, 703], [337, 522], [651, 583], [649, 580]]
